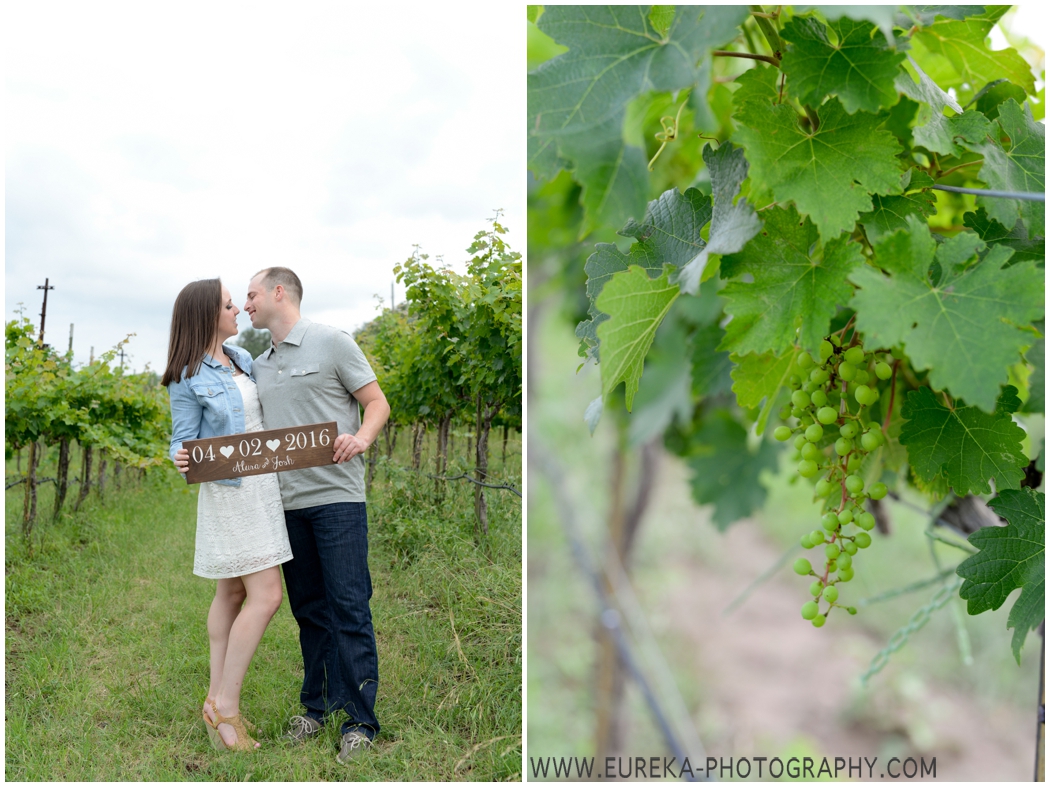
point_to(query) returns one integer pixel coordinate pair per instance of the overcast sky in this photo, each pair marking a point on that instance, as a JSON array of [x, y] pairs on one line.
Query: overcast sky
[[149, 145]]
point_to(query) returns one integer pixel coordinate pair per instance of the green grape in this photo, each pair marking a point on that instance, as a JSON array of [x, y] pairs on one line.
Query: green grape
[[863, 540], [848, 430], [810, 387], [819, 621], [854, 355], [816, 588], [807, 468], [878, 491], [826, 350], [809, 610], [853, 465], [854, 483], [843, 446], [862, 377], [847, 371], [802, 567], [827, 415], [785, 412], [823, 488], [832, 565], [848, 547], [782, 433], [814, 432], [794, 381], [819, 398], [810, 451], [869, 441], [832, 551], [846, 574], [898, 353], [800, 441], [817, 537], [831, 593], [845, 516], [798, 412], [820, 376], [851, 610], [883, 370], [862, 394], [805, 542], [834, 339], [829, 522], [805, 361], [845, 561], [866, 521], [796, 456]]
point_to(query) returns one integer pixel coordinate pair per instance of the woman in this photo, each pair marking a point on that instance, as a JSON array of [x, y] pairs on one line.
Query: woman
[[241, 535]]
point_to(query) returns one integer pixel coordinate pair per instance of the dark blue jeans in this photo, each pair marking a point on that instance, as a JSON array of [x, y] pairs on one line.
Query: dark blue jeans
[[328, 589]]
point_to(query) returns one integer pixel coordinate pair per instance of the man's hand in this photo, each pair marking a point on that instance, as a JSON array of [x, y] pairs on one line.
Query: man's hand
[[182, 461], [347, 446]]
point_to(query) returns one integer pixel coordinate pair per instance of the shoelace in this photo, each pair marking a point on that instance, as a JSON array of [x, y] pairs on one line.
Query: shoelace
[[300, 726]]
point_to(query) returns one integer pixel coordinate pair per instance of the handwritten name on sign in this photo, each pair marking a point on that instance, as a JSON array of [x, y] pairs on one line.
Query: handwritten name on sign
[[254, 453]]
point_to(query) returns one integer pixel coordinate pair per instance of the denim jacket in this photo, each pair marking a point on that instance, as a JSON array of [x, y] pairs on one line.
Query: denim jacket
[[209, 403]]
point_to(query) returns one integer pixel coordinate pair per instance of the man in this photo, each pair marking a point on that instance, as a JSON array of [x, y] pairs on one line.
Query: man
[[313, 373]]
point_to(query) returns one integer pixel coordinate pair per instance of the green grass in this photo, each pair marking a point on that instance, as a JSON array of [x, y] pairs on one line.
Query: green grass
[[107, 652]]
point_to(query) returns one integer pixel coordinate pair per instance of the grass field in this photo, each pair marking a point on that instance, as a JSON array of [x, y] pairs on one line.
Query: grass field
[[107, 652]]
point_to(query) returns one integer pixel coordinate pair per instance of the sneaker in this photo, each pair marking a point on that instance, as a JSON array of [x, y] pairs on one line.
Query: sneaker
[[354, 742], [301, 728]]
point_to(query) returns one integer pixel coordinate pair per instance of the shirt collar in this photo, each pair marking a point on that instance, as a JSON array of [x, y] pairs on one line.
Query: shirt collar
[[295, 336], [213, 363]]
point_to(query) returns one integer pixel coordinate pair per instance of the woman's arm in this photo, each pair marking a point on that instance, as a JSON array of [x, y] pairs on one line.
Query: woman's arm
[[186, 416]]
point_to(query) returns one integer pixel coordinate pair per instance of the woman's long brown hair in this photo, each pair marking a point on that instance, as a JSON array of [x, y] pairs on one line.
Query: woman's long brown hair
[[194, 325]]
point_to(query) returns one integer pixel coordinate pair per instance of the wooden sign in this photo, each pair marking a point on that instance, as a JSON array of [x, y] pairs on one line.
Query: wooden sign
[[254, 453]]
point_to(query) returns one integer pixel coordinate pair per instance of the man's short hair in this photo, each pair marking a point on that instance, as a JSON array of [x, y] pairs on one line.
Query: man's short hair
[[286, 278]]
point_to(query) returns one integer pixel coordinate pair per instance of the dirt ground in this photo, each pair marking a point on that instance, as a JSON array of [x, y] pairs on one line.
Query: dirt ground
[[779, 681]]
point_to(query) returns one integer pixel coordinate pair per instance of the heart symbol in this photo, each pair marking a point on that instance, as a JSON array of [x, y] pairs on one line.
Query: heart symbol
[[273, 445], [226, 450]]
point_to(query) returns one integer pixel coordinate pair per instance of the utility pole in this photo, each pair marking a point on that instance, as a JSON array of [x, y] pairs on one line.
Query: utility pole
[[121, 359], [391, 296], [71, 337], [43, 311]]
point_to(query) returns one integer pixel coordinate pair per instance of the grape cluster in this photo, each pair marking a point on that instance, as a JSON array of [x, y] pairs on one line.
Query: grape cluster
[[833, 434]]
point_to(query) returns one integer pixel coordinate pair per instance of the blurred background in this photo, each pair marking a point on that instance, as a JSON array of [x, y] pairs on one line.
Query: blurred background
[[706, 598]]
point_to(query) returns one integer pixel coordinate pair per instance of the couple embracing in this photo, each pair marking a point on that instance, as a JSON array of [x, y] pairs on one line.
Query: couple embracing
[[312, 521]]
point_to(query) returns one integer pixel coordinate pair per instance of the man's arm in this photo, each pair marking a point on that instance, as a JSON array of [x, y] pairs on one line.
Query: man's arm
[[376, 413]]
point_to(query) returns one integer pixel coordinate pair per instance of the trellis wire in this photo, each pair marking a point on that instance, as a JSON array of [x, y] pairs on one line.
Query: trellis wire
[[918, 620], [1031, 196]]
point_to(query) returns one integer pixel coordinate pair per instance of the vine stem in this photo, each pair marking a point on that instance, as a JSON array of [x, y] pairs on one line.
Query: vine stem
[[842, 333], [893, 391], [746, 56], [960, 166]]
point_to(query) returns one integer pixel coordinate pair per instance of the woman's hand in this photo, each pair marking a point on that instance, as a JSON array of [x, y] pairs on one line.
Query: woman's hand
[[182, 461]]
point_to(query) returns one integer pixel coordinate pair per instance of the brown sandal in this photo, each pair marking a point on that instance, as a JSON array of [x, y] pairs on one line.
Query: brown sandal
[[244, 741]]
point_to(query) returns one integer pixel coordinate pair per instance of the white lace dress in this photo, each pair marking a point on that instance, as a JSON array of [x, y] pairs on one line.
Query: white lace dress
[[240, 529]]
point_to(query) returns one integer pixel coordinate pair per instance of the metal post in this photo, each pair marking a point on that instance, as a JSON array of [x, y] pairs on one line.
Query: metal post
[[71, 337], [43, 311], [391, 296]]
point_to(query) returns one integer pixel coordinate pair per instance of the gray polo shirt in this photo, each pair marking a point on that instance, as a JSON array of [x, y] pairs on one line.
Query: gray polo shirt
[[307, 379]]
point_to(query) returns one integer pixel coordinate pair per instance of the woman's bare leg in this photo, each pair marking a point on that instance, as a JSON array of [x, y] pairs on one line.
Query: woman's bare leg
[[229, 595], [263, 599]]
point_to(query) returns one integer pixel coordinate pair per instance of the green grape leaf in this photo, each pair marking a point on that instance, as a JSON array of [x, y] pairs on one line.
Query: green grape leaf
[[995, 234], [726, 472], [879, 15], [577, 101], [829, 174], [669, 234], [1019, 165], [926, 14], [890, 213], [1010, 557], [963, 327], [732, 226], [797, 285], [860, 68], [759, 376], [989, 97], [965, 444], [711, 368], [933, 130], [963, 43], [663, 397], [1037, 380], [636, 306]]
